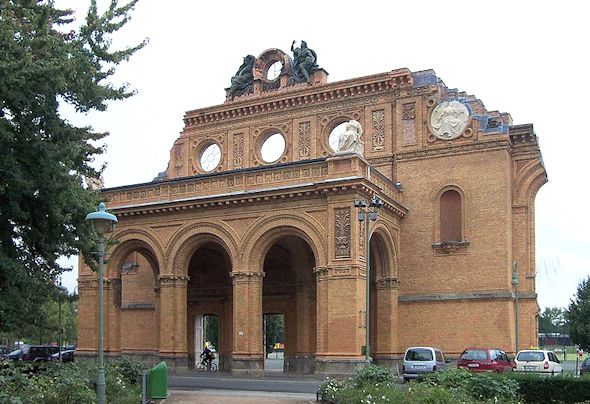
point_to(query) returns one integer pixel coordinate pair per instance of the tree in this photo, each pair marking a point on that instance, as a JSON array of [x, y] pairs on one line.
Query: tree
[[578, 316], [274, 329], [43, 200], [551, 320]]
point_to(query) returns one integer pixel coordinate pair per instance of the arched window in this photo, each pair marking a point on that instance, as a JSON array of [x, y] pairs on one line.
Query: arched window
[[451, 226]]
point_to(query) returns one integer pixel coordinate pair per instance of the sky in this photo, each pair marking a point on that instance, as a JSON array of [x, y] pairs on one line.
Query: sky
[[527, 58]]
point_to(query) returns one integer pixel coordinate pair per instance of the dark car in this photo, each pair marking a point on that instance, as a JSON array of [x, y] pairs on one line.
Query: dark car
[[66, 355], [585, 367], [34, 353], [14, 355], [485, 360]]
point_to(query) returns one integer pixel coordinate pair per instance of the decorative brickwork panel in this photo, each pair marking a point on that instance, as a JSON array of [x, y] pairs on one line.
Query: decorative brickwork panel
[[342, 232], [378, 129], [178, 159], [304, 140], [409, 123], [238, 150]]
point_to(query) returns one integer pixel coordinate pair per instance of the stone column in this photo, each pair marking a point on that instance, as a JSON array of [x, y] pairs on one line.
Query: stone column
[[247, 353], [173, 343], [386, 324], [340, 319]]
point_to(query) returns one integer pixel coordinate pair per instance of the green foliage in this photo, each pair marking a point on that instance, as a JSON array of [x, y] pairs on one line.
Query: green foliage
[[373, 375], [274, 329], [578, 315], [331, 388], [535, 388], [480, 387], [69, 383], [43, 202], [422, 393], [552, 320]]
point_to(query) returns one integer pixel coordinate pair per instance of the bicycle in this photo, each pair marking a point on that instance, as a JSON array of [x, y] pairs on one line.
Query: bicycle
[[209, 366]]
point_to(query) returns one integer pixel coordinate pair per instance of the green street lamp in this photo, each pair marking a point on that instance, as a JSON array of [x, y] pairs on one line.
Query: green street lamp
[[367, 212], [61, 290], [104, 223]]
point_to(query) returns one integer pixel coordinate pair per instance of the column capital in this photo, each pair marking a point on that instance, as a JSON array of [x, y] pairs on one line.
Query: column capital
[[173, 280], [244, 276], [388, 282]]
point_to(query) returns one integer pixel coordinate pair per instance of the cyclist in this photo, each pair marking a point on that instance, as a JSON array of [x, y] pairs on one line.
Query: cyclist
[[207, 356]]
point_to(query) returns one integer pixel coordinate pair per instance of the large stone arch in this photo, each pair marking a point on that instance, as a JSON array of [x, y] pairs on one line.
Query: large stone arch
[[528, 182], [135, 239], [188, 239], [263, 233], [385, 245]]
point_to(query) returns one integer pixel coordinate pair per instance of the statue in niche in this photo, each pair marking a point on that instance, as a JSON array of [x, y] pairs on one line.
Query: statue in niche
[[350, 140], [304, 62], [243, 79]]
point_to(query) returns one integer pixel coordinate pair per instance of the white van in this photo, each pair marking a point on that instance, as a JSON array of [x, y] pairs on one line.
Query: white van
[[419, 360]]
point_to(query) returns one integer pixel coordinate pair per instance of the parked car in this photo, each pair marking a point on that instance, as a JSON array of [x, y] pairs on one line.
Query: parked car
[[33, 353], [67, 355], [485, 360], [14, 355], [585, 367], [537, 360], [421, 360]]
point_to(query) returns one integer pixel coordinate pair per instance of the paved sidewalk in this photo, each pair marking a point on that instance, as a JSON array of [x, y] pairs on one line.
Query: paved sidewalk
[[229, 396]]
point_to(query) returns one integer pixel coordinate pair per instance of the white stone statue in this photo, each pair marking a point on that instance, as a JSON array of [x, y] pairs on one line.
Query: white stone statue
[[94, 183], [350, 140]]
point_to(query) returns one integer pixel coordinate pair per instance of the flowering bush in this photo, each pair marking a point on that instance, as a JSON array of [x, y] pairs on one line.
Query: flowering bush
[[68, 383]]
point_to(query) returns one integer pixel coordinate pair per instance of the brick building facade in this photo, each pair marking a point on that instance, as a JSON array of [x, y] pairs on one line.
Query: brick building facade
[[231, 232]]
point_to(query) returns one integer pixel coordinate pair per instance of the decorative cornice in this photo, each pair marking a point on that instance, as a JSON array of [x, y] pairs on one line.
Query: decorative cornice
[[483, 295], [246, 277], [301, 96], [442, 151], [450, 247]]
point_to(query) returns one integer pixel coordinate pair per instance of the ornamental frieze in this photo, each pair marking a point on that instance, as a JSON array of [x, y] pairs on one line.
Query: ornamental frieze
[[173, 280], [472, 147]]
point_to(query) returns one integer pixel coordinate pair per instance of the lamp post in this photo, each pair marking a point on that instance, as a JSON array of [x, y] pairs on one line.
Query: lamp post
[[367, 212], [515, 284], [61, 290], [103, 223]]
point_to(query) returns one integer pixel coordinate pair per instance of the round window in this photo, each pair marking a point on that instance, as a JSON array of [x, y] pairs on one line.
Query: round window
[[274, 70], [210, 157], [273, 148], [335, 134]]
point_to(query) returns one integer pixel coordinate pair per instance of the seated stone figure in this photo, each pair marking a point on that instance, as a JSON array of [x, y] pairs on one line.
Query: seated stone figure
[[243, 78], [350, 140]]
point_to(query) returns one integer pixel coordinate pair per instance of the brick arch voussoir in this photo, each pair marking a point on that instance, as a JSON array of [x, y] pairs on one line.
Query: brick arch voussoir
[[130, 240], [263, 233], [528, 182], [188, 239], [388, 241]]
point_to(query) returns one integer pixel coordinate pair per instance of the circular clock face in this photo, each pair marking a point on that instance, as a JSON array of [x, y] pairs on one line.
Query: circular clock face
[[273, 148], [449, 120], [210, 157]]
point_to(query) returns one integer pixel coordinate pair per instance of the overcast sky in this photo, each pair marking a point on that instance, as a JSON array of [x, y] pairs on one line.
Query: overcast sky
[[527, 58]]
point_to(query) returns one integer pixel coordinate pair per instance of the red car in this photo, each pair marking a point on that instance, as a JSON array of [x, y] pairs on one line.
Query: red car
[[485, 360]]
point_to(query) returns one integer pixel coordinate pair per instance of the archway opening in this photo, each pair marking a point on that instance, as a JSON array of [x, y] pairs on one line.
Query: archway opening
[[289, 289], [138, 300], [209, 303], [274, 342]]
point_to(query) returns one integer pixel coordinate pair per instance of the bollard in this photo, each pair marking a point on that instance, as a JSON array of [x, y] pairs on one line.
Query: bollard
[[158, 382]]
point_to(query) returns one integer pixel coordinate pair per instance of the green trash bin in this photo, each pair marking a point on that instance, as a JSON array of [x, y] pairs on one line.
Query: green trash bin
[[158, 382]]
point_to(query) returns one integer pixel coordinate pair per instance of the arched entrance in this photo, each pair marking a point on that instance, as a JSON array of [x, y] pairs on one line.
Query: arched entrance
[[384, 330], [133, 294], [209, 297], [289, 289]]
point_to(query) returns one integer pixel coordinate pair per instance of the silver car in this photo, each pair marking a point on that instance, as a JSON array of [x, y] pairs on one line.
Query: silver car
[[419, 360]]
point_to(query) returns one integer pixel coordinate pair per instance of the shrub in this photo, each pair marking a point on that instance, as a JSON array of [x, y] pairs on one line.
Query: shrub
[[68, 383], [373, 375], [534, 388]]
